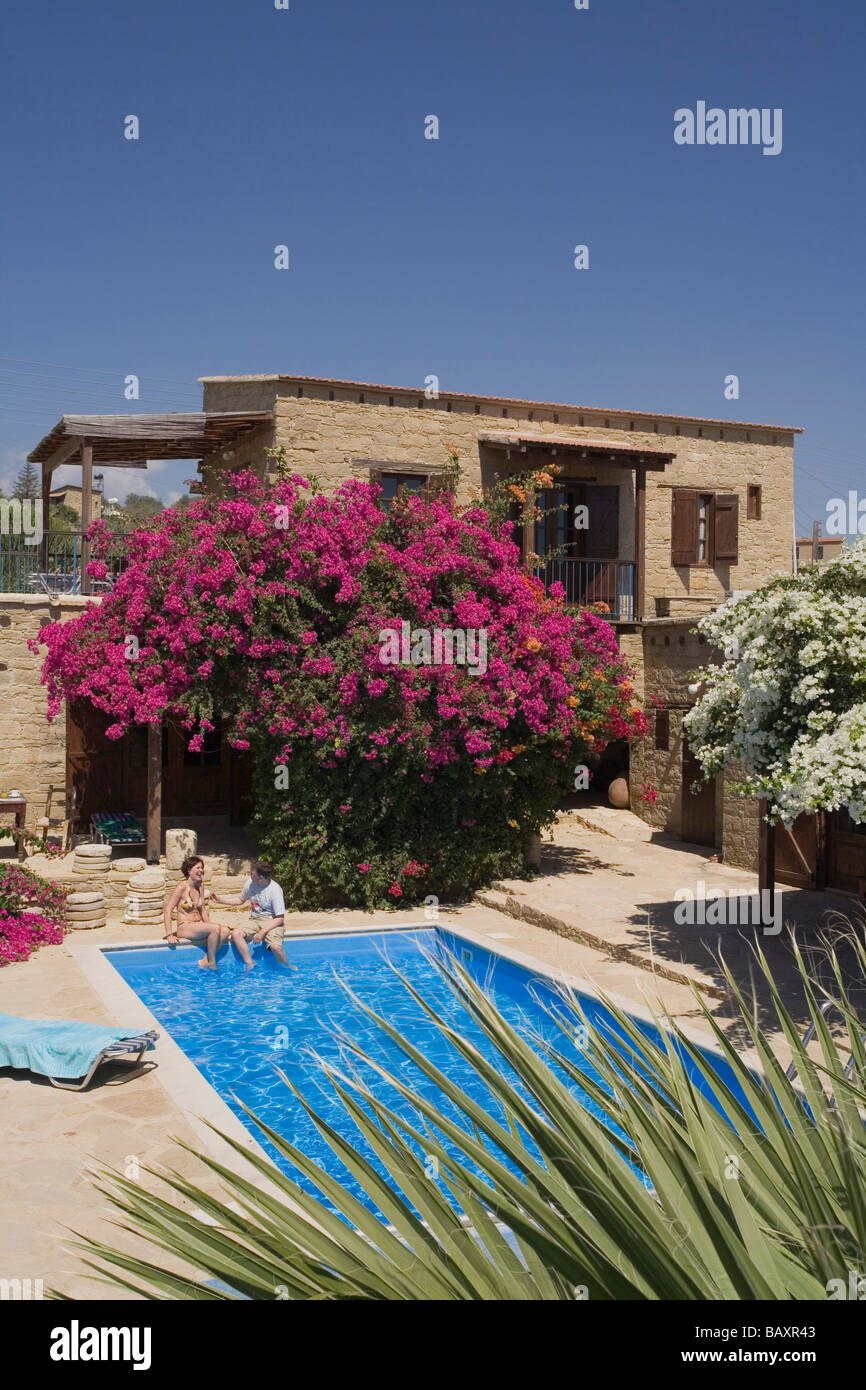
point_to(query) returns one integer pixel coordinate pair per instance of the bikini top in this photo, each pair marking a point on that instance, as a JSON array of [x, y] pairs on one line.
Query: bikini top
[[186, 903]]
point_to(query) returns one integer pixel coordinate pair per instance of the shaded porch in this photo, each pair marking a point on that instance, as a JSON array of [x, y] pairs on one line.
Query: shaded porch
[[590, 535]]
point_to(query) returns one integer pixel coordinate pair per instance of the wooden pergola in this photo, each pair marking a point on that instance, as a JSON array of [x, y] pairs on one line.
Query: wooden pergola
[[132, 441]]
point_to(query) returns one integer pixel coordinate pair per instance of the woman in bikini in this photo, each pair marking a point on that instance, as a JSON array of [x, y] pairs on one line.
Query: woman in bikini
[[193, 922]]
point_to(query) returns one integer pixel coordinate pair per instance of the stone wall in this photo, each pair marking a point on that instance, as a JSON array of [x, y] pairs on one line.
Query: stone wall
[[327, 429], [32, 751], [672, 653]]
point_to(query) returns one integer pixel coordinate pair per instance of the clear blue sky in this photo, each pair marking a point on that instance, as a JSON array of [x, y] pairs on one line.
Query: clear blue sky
[[408, 257]]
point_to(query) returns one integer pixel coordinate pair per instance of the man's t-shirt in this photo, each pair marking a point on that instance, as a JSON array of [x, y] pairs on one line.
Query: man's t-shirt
[[264, 902]]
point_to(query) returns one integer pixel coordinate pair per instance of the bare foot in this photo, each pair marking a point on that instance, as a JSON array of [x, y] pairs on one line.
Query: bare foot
[[205, 964], [249, 967]]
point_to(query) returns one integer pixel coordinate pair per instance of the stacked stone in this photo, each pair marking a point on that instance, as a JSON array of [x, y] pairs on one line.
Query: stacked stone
[[123, 869], [85, 910], [145, 899], [91, 861]]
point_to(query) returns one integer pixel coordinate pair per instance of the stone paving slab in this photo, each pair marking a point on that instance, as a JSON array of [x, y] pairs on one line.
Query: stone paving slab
[[593, 897], [621, 898]]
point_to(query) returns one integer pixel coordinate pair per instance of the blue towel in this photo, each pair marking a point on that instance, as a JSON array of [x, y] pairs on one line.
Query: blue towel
[[56, 1046]]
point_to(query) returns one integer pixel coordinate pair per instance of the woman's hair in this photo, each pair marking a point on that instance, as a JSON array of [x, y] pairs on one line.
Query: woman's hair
[[189, 863]]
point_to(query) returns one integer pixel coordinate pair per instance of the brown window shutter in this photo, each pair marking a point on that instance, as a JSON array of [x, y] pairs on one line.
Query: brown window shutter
[[663, 729], [727, 526], [601, 540], [684, 526]]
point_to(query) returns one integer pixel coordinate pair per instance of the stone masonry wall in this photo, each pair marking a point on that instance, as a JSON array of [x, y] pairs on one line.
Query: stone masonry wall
[[32, 751], [325, 437], [672, 653]]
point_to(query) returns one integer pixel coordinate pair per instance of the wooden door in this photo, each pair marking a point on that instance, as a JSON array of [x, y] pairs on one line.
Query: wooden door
[[846, 854], [94, 764], [194, 784], [699, 811]]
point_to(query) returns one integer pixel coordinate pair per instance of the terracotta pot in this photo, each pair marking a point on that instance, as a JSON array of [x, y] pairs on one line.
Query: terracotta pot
[[617, 793]]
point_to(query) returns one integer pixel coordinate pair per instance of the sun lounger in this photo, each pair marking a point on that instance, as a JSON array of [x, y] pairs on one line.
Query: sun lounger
[[117, 828], [68, 1053]]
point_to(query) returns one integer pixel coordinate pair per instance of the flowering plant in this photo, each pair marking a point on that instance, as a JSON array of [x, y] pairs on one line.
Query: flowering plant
[[270, 606], [21, 931], [787, 699]]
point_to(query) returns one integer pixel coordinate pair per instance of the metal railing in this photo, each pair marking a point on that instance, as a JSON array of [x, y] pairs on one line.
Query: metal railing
[[25, 570], [594, 582]]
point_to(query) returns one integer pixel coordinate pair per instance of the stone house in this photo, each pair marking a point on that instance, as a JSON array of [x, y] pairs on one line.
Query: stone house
[[659, 517]]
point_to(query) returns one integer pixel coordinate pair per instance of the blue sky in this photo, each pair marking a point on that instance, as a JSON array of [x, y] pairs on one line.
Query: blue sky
[[411, 256]]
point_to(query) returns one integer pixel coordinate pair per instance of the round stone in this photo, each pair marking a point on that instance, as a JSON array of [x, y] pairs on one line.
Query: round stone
[[78, 899]]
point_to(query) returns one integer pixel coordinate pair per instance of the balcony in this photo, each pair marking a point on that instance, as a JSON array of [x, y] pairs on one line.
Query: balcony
[[54, 569], [589, 582]]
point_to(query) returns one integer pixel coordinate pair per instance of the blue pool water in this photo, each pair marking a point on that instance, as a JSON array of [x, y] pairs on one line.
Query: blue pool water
[[238, 1028]]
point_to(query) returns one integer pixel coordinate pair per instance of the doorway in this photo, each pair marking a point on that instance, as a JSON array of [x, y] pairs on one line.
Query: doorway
[[699, 811]]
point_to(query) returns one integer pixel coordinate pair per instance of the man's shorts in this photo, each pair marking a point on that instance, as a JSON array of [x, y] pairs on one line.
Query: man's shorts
[[273, 936]]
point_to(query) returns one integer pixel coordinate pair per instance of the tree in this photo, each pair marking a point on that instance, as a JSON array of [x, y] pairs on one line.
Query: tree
[[28, 483], [787, 699], [63, 518], [414, 701]]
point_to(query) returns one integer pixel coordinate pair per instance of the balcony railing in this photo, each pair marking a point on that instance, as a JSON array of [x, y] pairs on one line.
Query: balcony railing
[[23, 568], [590, 582]]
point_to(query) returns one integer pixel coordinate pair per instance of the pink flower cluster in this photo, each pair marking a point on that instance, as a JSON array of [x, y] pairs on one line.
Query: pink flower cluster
[[21, 933], [266, 606]]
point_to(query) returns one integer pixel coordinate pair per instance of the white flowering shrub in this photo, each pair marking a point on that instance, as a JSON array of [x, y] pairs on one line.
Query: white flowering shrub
[[787, 697]]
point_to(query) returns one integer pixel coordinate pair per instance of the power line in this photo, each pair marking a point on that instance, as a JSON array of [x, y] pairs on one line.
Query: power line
[[93, 371]]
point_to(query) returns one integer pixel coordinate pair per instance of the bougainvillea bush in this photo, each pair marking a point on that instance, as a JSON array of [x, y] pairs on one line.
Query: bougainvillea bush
[[21, 932], [787, 701], [379, 779]]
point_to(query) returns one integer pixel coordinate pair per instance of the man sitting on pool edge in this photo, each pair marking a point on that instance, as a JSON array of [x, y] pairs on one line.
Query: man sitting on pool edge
[[267, 913]]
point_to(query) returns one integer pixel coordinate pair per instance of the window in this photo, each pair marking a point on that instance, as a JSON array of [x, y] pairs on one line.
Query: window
[[705, 507], [590, 534], [753, 505], [820, 552], [663, 730], [704, 527], [399, 485]]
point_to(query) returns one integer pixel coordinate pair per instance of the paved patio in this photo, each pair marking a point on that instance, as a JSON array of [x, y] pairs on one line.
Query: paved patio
[[601, 911]]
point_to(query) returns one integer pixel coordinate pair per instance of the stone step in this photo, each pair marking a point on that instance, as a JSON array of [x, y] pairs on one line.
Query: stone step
[[514, 902], [607, 820]]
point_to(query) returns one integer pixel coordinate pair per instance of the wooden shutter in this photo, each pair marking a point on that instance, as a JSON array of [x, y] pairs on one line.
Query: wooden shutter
[[726, 529], [602, 537], [663, 730], [684, 526]]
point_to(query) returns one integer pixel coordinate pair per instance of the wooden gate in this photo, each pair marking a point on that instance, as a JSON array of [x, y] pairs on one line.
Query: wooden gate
[[846, 854], [699, 811], [798, 852]]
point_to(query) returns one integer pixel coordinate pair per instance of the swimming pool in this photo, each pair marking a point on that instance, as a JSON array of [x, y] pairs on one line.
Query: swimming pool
[[238, 1028]]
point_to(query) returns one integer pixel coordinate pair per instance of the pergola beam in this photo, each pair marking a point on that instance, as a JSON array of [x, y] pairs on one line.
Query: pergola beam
[[66, 451]]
